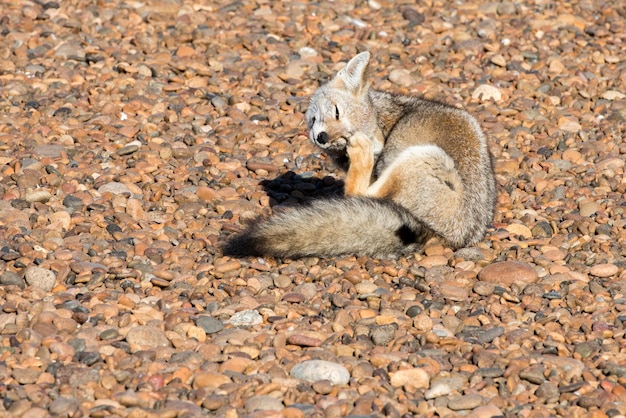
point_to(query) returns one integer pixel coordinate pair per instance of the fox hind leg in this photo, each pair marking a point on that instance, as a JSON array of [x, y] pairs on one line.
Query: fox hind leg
[[424, 180], [361, 154]]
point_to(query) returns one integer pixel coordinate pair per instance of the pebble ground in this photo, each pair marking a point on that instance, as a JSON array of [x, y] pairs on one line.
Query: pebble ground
[[135, 136]]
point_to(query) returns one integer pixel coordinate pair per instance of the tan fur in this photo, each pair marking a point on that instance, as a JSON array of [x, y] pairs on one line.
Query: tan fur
[[361, 157], [416, 168]]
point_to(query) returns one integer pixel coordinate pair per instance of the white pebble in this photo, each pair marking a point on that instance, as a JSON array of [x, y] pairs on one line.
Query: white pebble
[[485, 92], [307, 52], [316, 370], [373, 4], [40, 278], [114, 187], [438, 389], [613, 95], [246, 318]]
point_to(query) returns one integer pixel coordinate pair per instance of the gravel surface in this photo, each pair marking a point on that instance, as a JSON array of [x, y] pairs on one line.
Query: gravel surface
[[136, 136]]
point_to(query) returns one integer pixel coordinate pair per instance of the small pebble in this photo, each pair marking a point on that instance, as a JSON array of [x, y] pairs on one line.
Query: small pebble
[[129, 149], [25, 376], [413, 15], [438, 389], [415, 377], [452, 291], [109, 334], [323, 387], [114, 188], [208, 380], [401, 77], [246, 318], [465, 402], [303, 340], [486, 411], [508, 272], [548, 391], [209, 324], [294, 297], [38, 196], [307, 52], [145, 337], [8, 278], [588, 207], [317, 370], [533, 375], [214, 402], [486, 93], [520, 230], [365, 287], [484, 288], [413, 311], [40, 278], [604, 270], [383, 334], [63, 406], [73, 202], [263, 403]]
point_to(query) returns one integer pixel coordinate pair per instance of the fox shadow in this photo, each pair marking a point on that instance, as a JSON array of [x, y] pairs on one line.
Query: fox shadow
[[293, 189]]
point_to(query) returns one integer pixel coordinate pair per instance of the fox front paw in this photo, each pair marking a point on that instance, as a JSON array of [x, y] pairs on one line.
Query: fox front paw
[[360, 149], [361, 156]]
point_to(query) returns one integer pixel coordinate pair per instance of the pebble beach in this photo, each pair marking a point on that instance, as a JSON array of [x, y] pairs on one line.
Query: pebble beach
[[136, 136]]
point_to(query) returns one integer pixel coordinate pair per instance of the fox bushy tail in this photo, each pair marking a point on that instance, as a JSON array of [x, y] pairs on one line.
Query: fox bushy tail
[[333, 227]]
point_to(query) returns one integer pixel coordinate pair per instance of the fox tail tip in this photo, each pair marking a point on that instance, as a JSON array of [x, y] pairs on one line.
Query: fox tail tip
[[243, 245]]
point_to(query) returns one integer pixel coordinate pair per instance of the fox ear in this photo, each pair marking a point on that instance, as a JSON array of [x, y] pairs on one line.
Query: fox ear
[[355, 74]]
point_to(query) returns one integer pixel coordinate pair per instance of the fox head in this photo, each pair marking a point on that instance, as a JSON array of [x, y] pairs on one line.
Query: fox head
[[342, 107]]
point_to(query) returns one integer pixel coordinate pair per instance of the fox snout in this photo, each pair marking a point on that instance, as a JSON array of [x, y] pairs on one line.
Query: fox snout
[[322, 138], [328, 142]]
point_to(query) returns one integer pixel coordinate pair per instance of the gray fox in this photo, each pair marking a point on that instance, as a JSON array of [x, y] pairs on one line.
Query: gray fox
[[415, 169]]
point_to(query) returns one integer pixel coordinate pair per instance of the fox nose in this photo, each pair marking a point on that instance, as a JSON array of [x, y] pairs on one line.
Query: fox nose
[[322, 138]]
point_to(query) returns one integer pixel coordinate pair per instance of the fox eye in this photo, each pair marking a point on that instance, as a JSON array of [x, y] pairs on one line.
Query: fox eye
[[312, 121], [336, 112]]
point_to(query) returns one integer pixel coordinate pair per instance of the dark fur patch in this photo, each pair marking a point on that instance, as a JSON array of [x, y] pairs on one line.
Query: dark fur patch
[[340, 158], [244, 245], [406, 235], [450, 185]]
